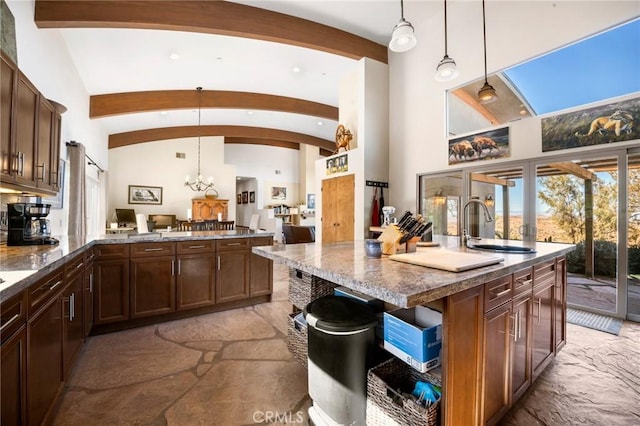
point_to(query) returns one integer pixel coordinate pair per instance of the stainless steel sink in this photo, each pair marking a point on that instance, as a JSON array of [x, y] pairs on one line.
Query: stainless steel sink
[[500, 248]]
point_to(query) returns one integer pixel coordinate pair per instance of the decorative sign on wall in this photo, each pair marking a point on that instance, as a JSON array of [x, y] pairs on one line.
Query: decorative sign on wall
[[338, 164], [593, 126], [481, 146]]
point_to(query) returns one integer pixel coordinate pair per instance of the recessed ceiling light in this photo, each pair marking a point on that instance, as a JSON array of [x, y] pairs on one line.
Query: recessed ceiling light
[[249, 112], [174, 56], [296, 69], [320, 123], [219, 58], [164, 112]]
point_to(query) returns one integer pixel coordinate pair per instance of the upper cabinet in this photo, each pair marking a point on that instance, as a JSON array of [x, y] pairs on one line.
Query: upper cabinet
[[30, 134]]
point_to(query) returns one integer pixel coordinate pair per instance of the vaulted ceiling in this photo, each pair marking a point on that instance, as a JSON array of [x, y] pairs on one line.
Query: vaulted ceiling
[[270, 74]]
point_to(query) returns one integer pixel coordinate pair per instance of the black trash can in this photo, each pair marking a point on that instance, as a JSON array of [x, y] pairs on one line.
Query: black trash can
[[341, 350]]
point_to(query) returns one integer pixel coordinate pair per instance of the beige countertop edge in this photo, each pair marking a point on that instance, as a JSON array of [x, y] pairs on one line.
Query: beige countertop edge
[[430, 284], [46, 259]]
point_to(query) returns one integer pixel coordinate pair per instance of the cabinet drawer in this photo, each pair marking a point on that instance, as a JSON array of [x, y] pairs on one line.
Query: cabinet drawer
[[111, 251], [13, 314], [544, 273], [89, 256], [74, 267], [42, 291], [188, 247], [152, 249], [261, 241], [497, 292], [522, 281], [228, 244]]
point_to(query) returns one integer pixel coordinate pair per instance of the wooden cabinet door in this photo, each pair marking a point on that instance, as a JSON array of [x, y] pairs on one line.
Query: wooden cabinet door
[[73, 323], [8, 74], [520, 347], [43, 155], [88, 296], [111, 291], [26, 130], [55, 153], [232, 275], [542, 327], [261, 270], [496, 364], [196, 281], [13, 366], [153, 286], [560, 305], [338, 209], [44, 360]]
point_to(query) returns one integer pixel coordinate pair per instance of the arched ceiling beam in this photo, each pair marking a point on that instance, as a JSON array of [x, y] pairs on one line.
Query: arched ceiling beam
[[212, 17], [132, 102], [269, 142], [118, 140]]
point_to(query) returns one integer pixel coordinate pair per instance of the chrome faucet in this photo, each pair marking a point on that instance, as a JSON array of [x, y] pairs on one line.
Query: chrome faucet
[[464, 238]]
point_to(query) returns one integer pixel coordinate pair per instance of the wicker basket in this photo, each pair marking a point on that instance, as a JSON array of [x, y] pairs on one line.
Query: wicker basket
[[383, 381], [304, 288], [297, 339]]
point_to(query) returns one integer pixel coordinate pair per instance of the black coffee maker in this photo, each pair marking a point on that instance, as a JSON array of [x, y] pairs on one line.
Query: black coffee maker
[[28, 224]]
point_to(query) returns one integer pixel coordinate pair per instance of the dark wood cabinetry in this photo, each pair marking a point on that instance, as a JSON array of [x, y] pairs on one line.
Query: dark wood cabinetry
[[560, 295], [29, 133], [542, 325], [72, 313], [196, 279], [152, 279], [89, 257], [13, 361], [261, 270], [44, 348], [232, 269], [111, 283], [497, 344]]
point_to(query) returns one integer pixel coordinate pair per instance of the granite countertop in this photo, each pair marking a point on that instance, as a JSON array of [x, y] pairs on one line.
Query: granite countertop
[[21, 266], [398, 283]]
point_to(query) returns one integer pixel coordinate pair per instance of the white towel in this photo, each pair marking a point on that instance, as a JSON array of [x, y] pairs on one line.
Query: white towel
[[141, 223]]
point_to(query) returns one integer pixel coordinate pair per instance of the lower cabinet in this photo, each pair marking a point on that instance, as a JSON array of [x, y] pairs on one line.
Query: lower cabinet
[[72, 321], [497, 366], [152, 286], [13, 392], [111, 283], [196, 281], [44, 360], [232, 269], [261, 270], [542, 325], [88, 292], [560, 296]]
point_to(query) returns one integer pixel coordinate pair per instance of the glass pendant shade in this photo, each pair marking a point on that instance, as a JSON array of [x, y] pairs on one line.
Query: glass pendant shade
[[403, 38], [446, 69], [487, 94]]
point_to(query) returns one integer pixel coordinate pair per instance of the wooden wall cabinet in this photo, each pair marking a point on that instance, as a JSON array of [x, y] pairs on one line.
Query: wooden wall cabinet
[[232, 269], [208, 208], [8, 88]]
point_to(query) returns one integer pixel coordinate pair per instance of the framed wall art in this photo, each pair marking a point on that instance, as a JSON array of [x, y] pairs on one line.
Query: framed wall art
[[278, 193], [252, 197], [245, 197], [139, 194], [239, 199], [487, 145]]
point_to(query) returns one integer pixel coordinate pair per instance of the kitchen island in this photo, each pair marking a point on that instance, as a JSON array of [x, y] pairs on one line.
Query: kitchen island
[[502, 324]]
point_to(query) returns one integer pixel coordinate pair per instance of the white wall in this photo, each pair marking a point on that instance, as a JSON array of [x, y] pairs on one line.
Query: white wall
[[44, 59], [516, 31]]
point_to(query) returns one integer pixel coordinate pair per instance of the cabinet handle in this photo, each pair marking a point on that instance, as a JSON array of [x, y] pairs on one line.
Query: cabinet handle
[[233, 244], [218, 263], [153, 249], [525, 282], [173, 272], [501, 293], [196, 247], [512, 331], [22, 164], [179, 266], [8, 323], [91, 282], [539, 309], [79, 265], [519, 324], [72, 307], [44, 168], [51, 287]]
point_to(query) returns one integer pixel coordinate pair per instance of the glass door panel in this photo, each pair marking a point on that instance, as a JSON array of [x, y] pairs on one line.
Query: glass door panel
[[440, 202], [577, 203], [502, 192], [633, 237]]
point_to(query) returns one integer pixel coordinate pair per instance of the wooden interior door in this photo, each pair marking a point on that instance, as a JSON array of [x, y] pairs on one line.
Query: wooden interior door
[[338, 209]]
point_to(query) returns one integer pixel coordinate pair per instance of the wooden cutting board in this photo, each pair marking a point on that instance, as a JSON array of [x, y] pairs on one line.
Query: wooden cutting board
[[447, 260]]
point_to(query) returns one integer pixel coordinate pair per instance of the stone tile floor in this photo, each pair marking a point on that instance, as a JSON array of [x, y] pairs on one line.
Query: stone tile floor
[[233, 368]]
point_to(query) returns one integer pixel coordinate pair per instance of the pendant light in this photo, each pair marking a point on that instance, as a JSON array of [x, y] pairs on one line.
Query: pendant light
[[198, 184], [446, 69], [487, 93], [402, 38]]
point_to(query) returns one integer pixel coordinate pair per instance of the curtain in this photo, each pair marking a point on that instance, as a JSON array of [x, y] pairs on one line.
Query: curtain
[[77, 189]]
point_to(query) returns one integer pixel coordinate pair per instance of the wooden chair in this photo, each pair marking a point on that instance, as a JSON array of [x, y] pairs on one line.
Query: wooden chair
[[226, 225]]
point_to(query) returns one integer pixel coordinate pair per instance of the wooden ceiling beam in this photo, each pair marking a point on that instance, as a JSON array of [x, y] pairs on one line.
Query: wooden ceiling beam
[[480, 177], [574, 169], [206, 16], [133, 102], [259, 141], [473, 103], [118, 140]]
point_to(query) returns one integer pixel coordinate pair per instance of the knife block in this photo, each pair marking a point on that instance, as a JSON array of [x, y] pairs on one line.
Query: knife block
[[390, 238]]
